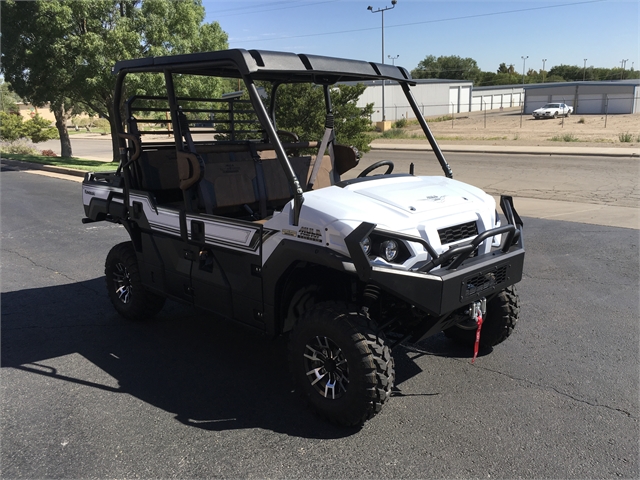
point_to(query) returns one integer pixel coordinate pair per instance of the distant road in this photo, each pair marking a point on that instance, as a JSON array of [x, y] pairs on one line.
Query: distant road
[[90, 148]]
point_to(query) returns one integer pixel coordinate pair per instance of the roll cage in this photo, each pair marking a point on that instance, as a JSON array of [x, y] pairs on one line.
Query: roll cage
[[256, 65]]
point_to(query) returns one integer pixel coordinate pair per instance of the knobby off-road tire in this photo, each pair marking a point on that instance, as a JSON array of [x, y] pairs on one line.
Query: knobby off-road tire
[[340, 365], [124, 286], [498, 324]]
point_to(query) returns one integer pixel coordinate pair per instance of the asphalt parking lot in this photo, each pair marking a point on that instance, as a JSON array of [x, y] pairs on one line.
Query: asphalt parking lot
[[86, 394]]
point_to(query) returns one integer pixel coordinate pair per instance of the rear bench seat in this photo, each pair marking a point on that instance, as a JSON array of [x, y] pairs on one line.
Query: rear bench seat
[[230, 179]]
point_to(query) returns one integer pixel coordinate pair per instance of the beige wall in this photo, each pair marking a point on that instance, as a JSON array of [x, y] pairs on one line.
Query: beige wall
[[28, 111]]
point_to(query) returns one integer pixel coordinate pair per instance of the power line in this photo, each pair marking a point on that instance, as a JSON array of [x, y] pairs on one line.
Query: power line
[[286, 6], [465, 17]]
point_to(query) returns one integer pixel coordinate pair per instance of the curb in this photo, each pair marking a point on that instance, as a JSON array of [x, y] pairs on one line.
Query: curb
[[484, 149], [46, 168]]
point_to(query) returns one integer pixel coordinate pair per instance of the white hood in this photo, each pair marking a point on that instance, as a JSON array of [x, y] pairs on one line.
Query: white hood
[[412, 205]]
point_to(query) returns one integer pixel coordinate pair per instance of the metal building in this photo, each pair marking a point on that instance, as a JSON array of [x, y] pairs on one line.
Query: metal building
[[586, 97], [496, 97], [433, 96]]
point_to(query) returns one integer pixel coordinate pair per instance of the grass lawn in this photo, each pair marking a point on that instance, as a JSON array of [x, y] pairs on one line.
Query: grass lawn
[[73, 162]]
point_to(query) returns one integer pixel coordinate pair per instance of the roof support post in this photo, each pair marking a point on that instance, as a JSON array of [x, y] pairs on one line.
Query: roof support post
[[263, 115], [427, 131]]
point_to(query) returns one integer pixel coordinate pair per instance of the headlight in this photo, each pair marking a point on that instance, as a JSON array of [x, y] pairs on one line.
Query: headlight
[[389, 250], [366, 245]]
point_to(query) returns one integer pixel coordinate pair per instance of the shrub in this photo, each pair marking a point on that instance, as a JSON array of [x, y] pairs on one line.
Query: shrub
[[37, 129], [11, 127], [625, 137], [443, 118], [582, 120], [567, 137], [18, 148], [86, 122], [102, 123], [393, 133], [49, 153], [400, 123]]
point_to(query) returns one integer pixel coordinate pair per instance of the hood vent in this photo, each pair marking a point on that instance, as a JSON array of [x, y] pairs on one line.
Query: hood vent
[[458, 232]]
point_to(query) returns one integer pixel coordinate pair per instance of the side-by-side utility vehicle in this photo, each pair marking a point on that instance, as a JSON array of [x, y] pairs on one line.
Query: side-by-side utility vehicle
[[230, 214]]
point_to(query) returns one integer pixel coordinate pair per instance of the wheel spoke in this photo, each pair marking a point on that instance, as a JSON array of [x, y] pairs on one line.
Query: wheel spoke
[[123, 294], [316, 355], [316, 372], [326, 367], [330, 387]]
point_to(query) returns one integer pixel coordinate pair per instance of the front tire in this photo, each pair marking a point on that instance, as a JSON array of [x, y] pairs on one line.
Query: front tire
[[501, 318], [340, 365], [124, 285]]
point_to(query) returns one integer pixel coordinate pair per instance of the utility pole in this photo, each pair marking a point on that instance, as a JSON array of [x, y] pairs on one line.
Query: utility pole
[[544, 72], [623, 63], [382, 10], [584, 70], [524, 60]]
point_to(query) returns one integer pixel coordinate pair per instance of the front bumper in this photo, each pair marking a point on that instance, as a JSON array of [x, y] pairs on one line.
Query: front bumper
[[465, 279]]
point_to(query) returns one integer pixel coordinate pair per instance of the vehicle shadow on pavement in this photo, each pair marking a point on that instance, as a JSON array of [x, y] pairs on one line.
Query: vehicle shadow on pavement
[[211, 373]]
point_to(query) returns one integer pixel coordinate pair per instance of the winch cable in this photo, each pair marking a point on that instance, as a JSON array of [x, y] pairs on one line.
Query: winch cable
[[476, 345]]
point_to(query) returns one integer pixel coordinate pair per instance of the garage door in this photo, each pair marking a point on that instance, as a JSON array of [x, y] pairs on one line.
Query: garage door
[[590, 104], [620, 103]]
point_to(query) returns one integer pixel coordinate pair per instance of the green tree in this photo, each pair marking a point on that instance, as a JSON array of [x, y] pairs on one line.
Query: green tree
[[8, 99], [35, 60], [300, 109], [62, 52], [570, 73], [450, 67], [503, 68], [491, 79]]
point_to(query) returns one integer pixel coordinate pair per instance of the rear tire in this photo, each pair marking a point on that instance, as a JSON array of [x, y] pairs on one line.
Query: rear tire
[[340, 365], [501, 318], [124, 285]]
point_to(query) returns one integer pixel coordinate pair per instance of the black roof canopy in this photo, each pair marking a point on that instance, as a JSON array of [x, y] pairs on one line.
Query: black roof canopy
[[268, 65]]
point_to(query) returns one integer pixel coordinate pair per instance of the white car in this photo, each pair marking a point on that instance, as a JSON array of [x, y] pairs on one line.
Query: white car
[[553, 110]]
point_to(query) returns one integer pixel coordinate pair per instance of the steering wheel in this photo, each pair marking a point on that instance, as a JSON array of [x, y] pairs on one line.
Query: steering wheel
[[292, 136], [381, 163]]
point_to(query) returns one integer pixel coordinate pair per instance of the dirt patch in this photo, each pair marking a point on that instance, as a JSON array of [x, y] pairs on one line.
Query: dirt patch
[[509, 128]]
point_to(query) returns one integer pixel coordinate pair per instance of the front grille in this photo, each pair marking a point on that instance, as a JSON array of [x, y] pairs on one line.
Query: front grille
[[484, 281], [458, 232]]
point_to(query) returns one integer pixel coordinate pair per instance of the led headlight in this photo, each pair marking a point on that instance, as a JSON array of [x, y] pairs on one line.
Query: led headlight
[[389, 250], [366, 245]]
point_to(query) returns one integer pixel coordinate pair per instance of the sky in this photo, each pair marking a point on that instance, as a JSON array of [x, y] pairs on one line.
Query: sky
[[604, 32]]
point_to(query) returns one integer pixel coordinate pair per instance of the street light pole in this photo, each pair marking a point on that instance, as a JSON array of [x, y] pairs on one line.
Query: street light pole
[[544, 72], [584, 70], [382, 10], [524, 60], [393, 59], [622, 64]]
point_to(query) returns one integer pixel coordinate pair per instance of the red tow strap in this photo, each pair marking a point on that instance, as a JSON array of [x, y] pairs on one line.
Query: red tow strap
[[476, 346]]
